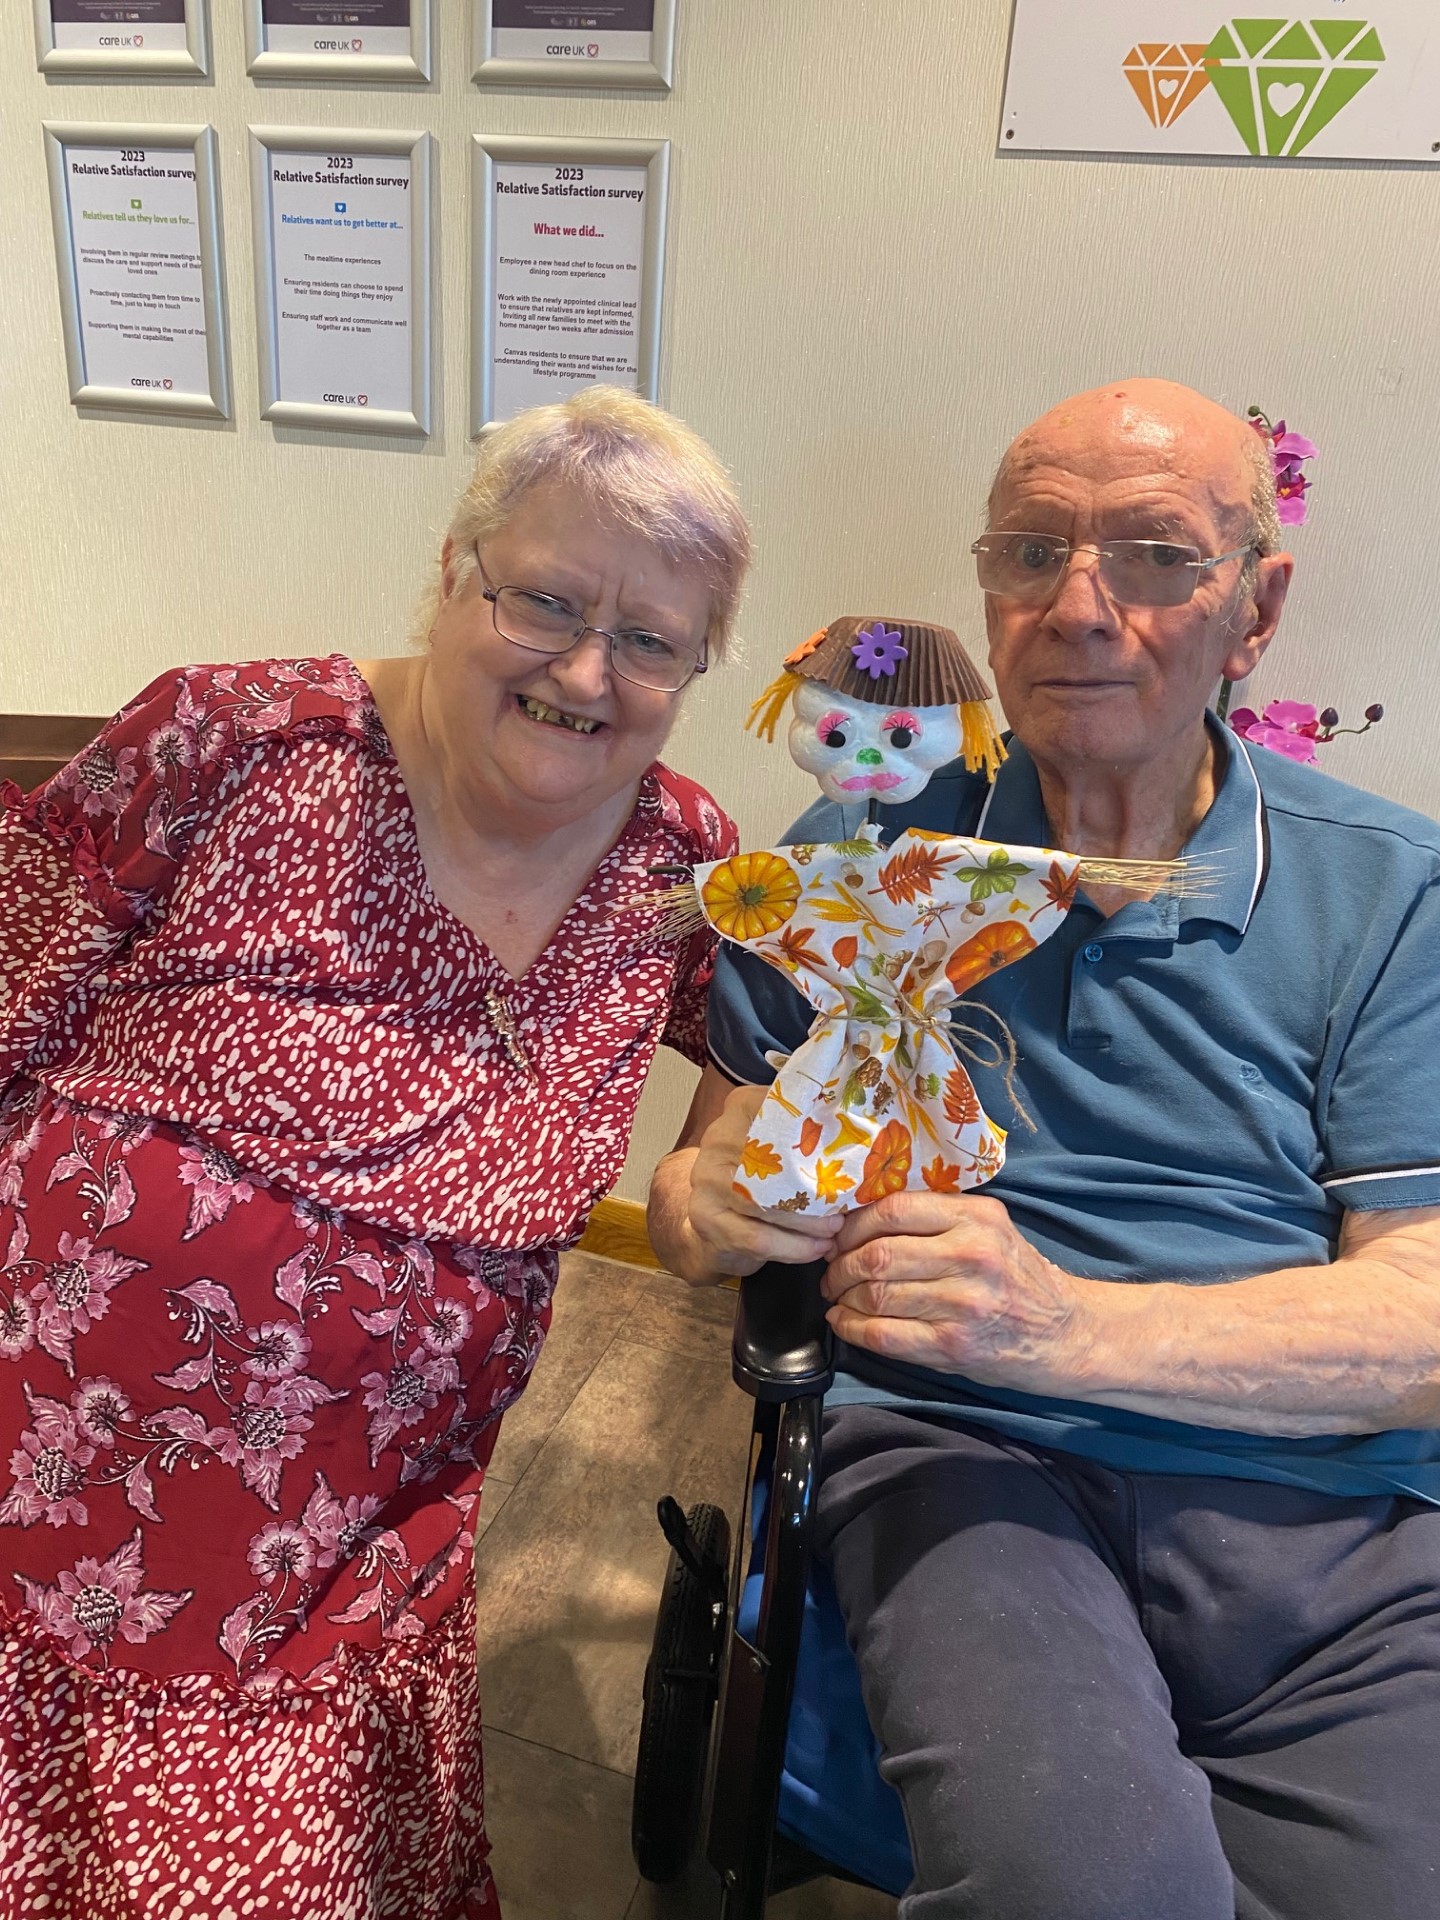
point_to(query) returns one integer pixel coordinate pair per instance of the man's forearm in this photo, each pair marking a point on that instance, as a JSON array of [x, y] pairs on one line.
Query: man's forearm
[[949, 1282], [1349, 1348]]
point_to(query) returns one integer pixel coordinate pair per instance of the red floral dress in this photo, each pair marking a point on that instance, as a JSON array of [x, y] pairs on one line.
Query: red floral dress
[[285, 1162]]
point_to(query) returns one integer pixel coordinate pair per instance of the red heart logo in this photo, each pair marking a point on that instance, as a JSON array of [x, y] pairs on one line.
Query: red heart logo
[[138, 39], [167, 384], [593, 48], [357, 46], [362, 399]]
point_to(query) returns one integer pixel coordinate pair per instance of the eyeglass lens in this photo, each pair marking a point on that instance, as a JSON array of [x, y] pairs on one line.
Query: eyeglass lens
[[547, 625], [1135, 573]]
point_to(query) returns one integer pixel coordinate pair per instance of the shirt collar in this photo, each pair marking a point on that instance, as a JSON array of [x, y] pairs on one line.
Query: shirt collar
[[1231, 844]]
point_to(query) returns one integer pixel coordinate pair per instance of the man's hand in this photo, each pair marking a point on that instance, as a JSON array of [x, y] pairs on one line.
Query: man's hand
[[946, 1281], [734, 1235]]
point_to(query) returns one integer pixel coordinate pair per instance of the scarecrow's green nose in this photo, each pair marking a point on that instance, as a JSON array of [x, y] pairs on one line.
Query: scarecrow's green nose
[[869, 757]]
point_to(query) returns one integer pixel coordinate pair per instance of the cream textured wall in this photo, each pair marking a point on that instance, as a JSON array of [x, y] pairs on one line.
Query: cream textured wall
[[862, 304]]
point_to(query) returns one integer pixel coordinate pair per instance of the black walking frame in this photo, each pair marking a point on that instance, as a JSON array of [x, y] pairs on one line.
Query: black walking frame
[[725, 1778]]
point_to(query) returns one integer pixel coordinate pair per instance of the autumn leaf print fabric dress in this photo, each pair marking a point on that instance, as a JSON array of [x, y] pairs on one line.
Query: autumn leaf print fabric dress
[[285, 1162], [859, 1110]]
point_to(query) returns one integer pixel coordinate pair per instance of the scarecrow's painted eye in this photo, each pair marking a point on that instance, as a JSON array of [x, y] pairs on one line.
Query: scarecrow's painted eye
[[830, 729], [900, 729]]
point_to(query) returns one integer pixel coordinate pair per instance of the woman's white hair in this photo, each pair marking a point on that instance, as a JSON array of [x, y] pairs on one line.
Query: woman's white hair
[[642, 466]]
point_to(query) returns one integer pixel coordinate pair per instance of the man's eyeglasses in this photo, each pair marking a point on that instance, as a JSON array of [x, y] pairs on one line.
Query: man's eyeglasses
[[1134, 573], [542, 623]]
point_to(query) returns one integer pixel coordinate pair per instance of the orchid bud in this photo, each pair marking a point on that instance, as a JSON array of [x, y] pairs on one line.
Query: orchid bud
[[1372, 714], [1329, 718]]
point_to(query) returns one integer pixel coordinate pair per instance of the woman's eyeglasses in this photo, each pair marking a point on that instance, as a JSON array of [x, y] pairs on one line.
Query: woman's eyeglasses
[[542, 623]]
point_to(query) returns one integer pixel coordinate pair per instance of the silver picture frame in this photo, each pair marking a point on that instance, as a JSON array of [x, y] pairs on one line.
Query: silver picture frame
[[127, 63], [375, 141], [488, 150], [60, 136], [656, 73], [266, 63]]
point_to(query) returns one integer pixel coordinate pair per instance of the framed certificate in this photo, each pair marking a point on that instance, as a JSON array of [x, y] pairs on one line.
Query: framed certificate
[[106, 40], [342, 277], [589, 43], [137, 248], [567, 269], [338, 39]]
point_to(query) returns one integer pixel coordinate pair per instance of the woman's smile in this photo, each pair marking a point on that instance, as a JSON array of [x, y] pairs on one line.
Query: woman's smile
[[548, 716]]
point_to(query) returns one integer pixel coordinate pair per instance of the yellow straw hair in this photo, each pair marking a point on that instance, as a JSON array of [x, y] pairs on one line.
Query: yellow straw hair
[[767, 710], [980, 744]]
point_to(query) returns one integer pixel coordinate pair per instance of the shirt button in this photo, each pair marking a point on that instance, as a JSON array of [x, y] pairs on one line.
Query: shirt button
[[1094, 952]]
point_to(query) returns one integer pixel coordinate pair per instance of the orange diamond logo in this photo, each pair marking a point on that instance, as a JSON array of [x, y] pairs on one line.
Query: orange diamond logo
[[1166, 78]]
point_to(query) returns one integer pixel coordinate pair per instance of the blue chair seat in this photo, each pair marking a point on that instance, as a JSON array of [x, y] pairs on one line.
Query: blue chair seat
[[832, 1799]]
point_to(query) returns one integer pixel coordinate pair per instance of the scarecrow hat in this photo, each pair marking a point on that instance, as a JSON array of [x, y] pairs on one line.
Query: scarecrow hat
[[889, 662]]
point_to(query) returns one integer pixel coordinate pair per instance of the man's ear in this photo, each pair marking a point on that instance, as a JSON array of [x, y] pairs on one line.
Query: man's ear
[[1265, 601]]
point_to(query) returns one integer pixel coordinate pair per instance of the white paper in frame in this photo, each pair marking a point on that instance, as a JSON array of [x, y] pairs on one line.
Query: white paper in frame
[[164, 38], [376, 40], [611, 43], [342, 277], [569, 302], [137, 252]]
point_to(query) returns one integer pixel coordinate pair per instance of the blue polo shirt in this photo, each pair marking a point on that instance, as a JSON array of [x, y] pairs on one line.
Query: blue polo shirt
[[1213, 1080]]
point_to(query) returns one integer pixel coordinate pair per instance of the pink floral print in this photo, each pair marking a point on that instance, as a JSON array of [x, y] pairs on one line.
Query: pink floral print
[[100, 1600]]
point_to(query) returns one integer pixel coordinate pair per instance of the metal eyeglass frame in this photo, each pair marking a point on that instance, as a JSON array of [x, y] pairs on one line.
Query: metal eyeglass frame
[[492, 594], [1194, 567]]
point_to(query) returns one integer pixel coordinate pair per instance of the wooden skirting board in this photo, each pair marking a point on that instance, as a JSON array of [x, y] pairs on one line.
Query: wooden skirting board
[[616, 1231]]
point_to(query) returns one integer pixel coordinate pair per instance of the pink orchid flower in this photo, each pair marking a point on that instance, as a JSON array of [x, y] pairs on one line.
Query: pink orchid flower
[[1289, 447], [1287, 451], [1286, 726]]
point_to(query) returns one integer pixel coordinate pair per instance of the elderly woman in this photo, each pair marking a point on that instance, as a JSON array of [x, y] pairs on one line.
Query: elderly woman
[[319, 1038]]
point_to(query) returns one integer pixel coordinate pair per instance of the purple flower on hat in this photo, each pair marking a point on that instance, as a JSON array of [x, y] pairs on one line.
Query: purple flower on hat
[[877, 649]]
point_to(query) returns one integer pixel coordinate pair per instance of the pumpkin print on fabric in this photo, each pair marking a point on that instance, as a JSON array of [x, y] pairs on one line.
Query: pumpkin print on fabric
[[987, 952], [751, 894]]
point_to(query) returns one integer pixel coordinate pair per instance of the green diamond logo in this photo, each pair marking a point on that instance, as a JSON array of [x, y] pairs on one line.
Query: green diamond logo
[[1282, 81]]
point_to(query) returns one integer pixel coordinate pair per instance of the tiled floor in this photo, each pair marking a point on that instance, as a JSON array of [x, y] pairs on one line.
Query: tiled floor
[[632, 1398]]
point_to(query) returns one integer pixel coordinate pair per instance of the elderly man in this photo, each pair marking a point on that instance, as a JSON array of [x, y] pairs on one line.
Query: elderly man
[[1133, 1462]]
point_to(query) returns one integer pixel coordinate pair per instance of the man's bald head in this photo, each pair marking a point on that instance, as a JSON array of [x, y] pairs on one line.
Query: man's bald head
[[1092, 668], [1161, 426]]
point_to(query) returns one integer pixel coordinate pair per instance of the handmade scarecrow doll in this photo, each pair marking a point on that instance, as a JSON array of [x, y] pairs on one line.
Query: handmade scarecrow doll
[[886, 942]]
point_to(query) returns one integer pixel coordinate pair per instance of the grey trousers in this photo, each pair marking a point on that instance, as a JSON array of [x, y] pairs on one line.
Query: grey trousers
[[1105, 1696]]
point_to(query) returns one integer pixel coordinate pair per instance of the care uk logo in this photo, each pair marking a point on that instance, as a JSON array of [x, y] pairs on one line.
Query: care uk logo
[[1280, 81]]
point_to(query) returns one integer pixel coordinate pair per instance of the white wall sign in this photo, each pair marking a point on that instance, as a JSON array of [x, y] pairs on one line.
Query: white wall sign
[[590, 43], [318, 39], [342, 225], [100, 37], [569, 240], [137, 249], [1331, 80]]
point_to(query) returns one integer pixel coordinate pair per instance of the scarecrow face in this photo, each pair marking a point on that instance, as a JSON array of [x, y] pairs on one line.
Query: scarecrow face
[[859, 749]]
